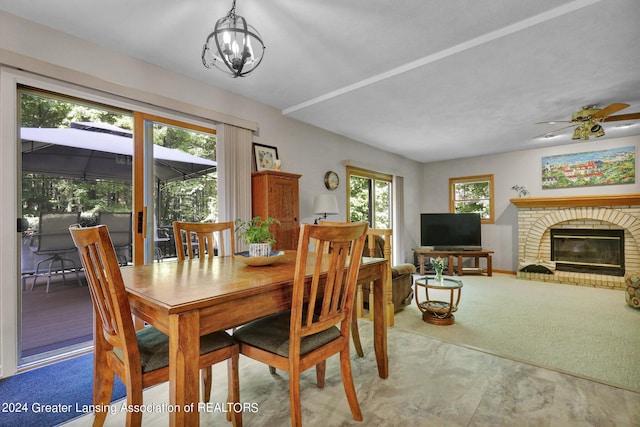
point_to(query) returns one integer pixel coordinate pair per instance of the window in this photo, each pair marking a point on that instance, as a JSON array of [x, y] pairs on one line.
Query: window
[[369, 197], [472, 194]]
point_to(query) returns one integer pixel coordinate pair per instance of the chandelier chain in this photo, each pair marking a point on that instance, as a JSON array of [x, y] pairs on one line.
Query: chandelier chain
[[232, 11]]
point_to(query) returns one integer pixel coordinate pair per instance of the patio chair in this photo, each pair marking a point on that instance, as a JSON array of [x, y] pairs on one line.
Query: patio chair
[[54, 242], [139, 358], [119, 225], [318, 324], [160, 237]]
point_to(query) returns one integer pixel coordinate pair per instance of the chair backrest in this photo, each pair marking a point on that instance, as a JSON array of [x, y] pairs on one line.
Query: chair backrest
[[209, 237], [119, 225], [331, 299], [53, 231], [110, 303]]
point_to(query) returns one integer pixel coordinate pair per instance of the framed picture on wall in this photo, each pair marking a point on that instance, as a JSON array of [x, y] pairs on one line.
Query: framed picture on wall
[[265, 157], [613, 166]]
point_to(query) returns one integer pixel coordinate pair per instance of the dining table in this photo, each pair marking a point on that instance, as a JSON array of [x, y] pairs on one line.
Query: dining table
[[195, 297]]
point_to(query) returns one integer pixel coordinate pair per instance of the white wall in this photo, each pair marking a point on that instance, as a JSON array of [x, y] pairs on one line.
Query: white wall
[[516, 168]]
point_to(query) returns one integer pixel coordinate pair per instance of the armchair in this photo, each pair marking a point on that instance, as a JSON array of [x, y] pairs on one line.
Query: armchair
[[401, 274]]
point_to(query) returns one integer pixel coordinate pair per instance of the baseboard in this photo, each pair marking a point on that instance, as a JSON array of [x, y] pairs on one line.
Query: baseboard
[[513, 273]]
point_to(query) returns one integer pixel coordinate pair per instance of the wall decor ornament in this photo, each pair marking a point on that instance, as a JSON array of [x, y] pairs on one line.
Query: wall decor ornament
[[522, 191], [613, 166], [265, 157], [331, 180]]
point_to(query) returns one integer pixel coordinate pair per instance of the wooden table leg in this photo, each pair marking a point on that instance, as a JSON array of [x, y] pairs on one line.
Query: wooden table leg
[[421, 258], [489, 266], [380, 321], [184, 375]]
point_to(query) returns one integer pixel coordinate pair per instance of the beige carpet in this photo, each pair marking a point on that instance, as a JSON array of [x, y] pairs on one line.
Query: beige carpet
[[589, 332]]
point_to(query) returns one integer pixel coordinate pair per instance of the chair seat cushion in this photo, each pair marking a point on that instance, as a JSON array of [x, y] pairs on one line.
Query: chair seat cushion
[[153, 346], [271, 333]]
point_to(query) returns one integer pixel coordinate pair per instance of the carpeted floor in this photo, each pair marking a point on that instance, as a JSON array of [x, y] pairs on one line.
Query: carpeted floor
[[589, 332], [50, 395]]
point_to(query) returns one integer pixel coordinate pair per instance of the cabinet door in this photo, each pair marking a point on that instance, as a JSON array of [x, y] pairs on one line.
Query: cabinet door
[[283, 201]]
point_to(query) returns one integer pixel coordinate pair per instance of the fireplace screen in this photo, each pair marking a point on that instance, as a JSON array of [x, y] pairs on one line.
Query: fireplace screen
[[588, 251]]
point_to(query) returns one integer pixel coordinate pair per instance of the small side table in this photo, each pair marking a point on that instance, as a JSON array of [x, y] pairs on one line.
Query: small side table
[[438, 312]]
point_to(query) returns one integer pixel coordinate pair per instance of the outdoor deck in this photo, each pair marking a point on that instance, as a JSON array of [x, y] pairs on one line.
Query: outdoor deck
[[51, 321]]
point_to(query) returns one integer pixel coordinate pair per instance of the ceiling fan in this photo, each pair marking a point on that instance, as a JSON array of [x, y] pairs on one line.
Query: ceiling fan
[[587, 121]]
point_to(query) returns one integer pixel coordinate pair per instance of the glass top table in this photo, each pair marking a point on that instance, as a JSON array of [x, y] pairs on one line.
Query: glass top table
[[434, 311]]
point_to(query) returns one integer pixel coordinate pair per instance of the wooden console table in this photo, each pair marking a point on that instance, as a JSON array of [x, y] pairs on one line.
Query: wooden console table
[[460, 255]]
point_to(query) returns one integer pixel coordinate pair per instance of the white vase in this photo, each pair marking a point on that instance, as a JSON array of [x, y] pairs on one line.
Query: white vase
[[259, 249]]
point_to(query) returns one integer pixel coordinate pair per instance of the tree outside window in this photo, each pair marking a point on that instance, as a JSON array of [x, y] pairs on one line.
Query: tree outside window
[[369, 197], [472, 194]]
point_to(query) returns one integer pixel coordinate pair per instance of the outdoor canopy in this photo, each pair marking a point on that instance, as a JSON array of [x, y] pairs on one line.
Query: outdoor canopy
[[100, 151]]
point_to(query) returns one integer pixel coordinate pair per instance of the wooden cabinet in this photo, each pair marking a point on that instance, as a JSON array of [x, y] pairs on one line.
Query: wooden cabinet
[[275, 194]]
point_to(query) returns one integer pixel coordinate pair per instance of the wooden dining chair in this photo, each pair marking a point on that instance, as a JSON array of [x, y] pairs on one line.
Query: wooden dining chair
[[210, 239], [357, 300], [139, 358], [300, 338]]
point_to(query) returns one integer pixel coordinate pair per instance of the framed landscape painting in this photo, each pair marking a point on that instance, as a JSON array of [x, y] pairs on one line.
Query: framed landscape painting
[[605, 167]]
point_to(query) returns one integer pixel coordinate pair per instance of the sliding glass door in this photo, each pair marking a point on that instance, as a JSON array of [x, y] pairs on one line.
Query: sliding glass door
[[75, 168], [89, 163], [180, 181]]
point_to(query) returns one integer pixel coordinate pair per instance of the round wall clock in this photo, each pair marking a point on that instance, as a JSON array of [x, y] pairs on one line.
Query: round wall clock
[[331, 180]]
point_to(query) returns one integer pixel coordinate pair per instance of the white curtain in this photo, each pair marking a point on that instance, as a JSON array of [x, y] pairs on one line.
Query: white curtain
[[234, 173]]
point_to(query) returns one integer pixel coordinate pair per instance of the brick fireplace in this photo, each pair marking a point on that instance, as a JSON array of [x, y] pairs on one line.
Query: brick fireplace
[[537, 216]]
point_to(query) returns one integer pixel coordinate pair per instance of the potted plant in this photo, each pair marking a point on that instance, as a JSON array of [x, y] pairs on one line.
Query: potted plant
[[257, 234]]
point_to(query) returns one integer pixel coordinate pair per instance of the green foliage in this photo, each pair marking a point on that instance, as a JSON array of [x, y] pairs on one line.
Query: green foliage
[[189, 200], [359, 199], [370, 201], [37, 111], [256, 230], [472, 197]]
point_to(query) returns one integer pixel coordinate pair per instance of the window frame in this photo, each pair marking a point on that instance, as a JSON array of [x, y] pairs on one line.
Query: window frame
[[473, 179], [373, 176]]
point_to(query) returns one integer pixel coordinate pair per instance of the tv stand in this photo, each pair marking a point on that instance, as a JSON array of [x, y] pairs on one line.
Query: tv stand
[[457, 255]]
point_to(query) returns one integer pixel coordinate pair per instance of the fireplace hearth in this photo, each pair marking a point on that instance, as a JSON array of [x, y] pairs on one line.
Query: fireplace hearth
[[598, 251]]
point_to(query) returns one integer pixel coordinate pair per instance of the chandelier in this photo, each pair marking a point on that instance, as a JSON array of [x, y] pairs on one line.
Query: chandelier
[[234, 46]]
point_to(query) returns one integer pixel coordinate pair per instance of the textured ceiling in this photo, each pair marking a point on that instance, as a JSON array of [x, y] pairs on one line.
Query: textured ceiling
[[429, 80]]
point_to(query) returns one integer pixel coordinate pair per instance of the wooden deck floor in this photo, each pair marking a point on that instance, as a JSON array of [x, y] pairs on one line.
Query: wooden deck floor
[[55, 320]]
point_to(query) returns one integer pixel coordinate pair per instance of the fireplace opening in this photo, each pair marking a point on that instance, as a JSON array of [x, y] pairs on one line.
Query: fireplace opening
[[588, 250]]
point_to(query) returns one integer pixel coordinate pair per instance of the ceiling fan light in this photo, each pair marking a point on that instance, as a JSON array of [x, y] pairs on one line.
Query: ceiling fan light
[[585, 134], [576, 133], [595, 129]]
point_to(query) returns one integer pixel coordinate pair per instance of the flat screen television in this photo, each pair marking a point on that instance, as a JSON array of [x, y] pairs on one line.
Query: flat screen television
[[449, 231]]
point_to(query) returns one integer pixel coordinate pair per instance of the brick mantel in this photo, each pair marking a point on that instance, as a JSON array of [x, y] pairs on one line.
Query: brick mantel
[[577, 201], [537, 215]]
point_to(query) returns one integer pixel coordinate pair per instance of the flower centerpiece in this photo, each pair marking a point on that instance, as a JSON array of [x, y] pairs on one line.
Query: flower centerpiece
[[438, 265], [257, 234]]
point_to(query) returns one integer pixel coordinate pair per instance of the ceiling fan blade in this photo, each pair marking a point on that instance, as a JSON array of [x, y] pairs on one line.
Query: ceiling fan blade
[[609, 109], [622, 117], [553, 122], [555, 131]]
